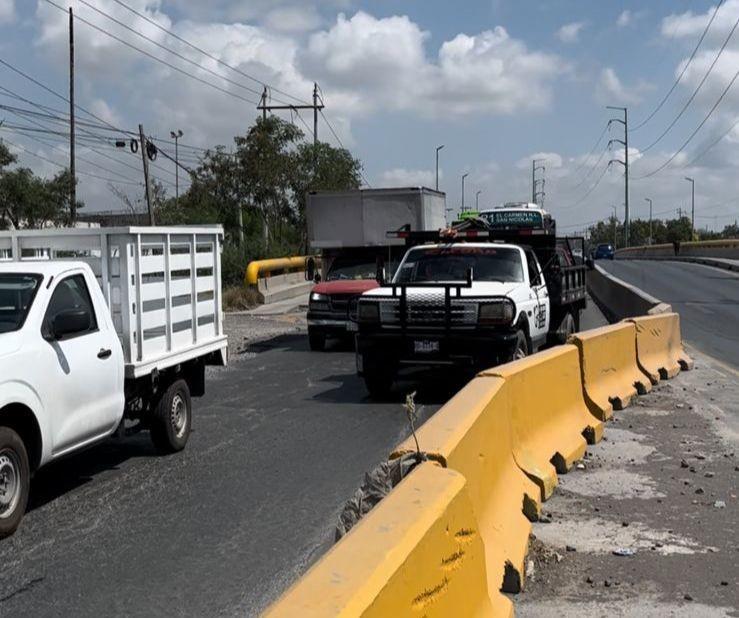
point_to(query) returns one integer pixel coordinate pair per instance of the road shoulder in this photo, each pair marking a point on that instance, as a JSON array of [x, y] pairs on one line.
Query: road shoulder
[[661, 486]]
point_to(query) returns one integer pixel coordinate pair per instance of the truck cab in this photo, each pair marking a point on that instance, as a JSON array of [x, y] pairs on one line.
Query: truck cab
[[332, 301]]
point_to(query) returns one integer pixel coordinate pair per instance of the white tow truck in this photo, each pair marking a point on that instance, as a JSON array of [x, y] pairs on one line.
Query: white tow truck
[[489, 290], [102, 331]]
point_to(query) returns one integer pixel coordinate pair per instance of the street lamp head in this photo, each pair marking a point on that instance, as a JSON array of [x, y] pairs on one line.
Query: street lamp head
[[175, 135], [465, 175], [689, 179], [438, 148]]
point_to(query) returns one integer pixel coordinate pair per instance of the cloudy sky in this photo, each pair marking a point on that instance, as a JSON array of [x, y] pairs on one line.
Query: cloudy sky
[[497, 82]]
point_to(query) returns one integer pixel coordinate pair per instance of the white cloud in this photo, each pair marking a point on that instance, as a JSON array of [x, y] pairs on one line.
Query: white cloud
[[401, 177], [382, 63], [7, 11], [550, 160], [624, 19], [293, 19], [611, 90], [570, 33]]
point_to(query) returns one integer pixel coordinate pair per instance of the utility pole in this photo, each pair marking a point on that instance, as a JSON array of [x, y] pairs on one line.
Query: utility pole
[[316, 107], [72, 167], [176, 135], [647, 199], [536, 167], [438, 148], [477, 200], [625, 143], [692, 206], [463, 177], [145, 159]]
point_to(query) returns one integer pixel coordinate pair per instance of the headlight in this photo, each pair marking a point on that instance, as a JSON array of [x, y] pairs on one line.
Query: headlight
[[498, 312], [315, 297], [368, 312]]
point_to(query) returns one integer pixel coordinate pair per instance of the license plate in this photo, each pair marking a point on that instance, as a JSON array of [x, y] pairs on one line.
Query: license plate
[[352, 327], [425, 346]]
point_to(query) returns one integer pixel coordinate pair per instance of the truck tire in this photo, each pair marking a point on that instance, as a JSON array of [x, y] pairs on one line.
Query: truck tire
[[15, 481], [566, 328], [378, 380], [316, 340], [172, 418], [521, 349]]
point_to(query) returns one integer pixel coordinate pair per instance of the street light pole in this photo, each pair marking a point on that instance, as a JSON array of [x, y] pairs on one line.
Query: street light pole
[[692, 206], [477, 200], [438, 148], [647, 199], [176, 135], [463, 177], [615, 220]]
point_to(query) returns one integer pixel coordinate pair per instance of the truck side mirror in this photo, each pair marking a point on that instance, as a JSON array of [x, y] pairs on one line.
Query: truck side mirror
[[317, 278], [310, 269], [70, 322]]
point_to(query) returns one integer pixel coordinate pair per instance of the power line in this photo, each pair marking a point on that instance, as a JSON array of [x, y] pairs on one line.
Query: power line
[[330, 128], [589, 191], [685, 68], [152, 56], [695, 92], [592, 150], [205, 53], [591, 170], [61, 165], [694, 133], [716, 141], [167, 49]]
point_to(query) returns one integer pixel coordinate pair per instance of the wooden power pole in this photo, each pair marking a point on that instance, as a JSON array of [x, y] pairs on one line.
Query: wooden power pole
[[72, 170], [145, 158]]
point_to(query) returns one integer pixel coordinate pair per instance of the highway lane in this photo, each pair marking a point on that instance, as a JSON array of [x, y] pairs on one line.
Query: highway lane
[[706, 298], [282, 438]]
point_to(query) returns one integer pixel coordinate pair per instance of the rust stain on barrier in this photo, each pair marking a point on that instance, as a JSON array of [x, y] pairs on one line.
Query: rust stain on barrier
[[427, 597]]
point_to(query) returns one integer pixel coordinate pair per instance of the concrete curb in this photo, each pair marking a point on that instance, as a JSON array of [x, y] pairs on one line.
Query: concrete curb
[[618, 299]]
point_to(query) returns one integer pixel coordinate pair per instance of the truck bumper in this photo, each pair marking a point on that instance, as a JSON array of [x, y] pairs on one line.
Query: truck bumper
[[331, 325], [471, 350]]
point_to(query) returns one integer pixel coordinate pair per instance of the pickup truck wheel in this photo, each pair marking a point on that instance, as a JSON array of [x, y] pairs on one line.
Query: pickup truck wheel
[[171, 422], [316, 340], [379, 381], [521, 350], [15, 480]]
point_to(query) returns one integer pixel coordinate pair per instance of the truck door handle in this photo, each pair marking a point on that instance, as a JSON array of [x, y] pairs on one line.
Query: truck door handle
[[103, 353]]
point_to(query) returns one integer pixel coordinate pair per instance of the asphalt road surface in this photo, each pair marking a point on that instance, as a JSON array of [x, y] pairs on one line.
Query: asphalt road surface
[[706, 298], [282, 438]]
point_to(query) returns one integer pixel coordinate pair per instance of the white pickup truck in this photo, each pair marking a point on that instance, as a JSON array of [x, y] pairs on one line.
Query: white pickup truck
[[102, 331], [468, 301]]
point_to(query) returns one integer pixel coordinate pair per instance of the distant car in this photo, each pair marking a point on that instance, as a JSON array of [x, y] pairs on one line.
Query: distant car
[[604, 251]]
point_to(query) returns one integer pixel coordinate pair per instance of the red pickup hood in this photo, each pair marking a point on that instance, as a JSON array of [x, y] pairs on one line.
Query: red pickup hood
[[345, 286]]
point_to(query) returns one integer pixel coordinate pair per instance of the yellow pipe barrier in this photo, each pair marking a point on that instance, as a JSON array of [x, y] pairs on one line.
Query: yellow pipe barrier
[[610, 373], [471, 434], [260, 267], [659, 346], [417, 553]]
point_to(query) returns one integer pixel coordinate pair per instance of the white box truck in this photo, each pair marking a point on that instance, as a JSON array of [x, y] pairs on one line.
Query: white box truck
[[349, 228], [102, 331]]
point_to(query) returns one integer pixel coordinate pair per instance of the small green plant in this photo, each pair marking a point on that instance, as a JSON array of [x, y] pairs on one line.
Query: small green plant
[[412, 414]]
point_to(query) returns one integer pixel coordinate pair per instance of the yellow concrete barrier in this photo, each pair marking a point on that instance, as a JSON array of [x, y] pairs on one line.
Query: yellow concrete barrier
[[472, 435], [262, 267], [549, 417], [417, 553], [610, 373], [659, 346]]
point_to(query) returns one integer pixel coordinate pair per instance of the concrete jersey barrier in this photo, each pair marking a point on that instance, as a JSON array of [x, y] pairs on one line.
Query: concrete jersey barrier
[[472, 435], [659, 346], [550, 420], [618, 299], [417, 553], [609, 367]]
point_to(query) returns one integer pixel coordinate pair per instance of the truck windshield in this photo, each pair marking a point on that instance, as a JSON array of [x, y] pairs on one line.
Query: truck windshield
[[351, 268], [451, 264], [17, 292]]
